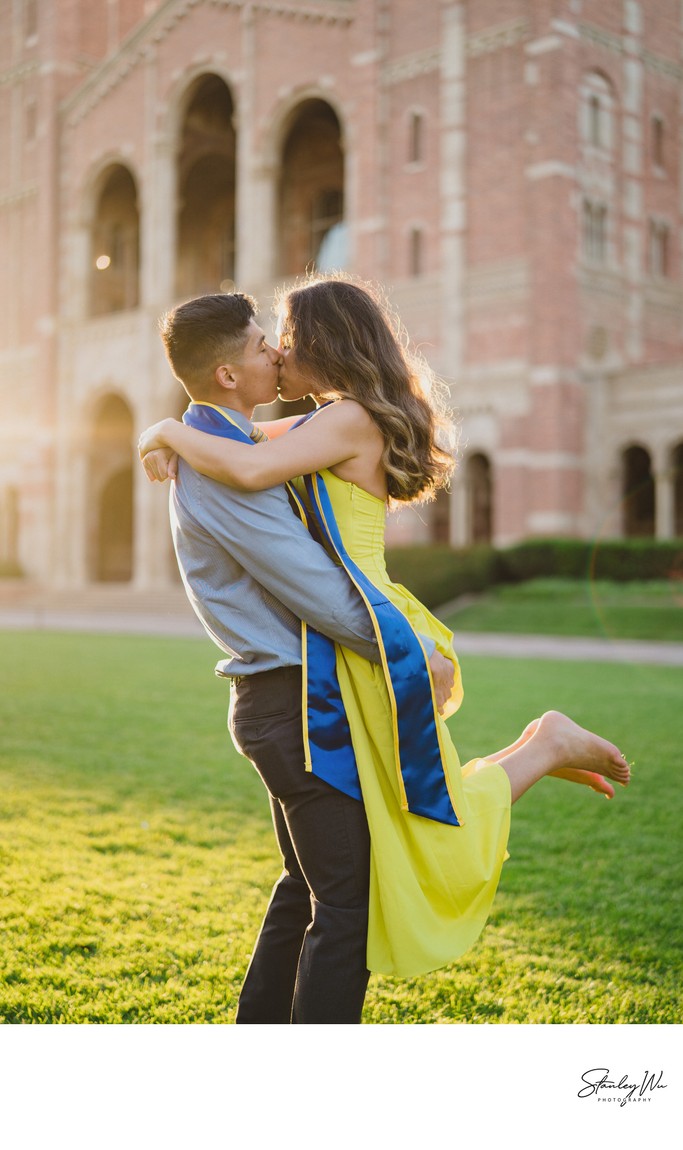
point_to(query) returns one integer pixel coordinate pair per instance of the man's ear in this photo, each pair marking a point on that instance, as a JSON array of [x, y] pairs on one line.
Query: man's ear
[[225, 377]]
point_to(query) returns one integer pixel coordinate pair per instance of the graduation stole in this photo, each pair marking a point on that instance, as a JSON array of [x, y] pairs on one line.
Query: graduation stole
[[422, 780]]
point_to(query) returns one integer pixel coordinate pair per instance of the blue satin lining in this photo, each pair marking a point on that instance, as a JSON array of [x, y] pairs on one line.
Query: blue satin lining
[[418, 745]]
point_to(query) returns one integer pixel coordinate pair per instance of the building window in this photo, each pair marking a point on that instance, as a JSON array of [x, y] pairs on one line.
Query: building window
[[597, 108], [416, 252], [658, 248], [594, 237], [31, 121], [658, 141], [30, 19], [415, 138], [594, 122]]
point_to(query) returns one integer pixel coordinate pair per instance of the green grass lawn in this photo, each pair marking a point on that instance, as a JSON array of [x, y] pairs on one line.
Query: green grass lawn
[[651, 610], [137, 853]]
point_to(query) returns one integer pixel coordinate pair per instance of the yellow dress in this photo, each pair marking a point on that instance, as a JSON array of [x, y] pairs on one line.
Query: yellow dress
[[431, 885]]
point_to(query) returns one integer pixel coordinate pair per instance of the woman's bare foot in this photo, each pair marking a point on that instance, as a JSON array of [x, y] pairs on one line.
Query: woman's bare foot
[[581, 750], [587, 779], [556, 745]]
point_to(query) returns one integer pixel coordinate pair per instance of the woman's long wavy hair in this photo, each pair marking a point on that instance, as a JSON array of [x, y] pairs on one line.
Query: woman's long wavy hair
[[346, 337]]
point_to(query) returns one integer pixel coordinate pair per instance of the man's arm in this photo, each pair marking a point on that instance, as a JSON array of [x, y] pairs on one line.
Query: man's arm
[[261, 531]]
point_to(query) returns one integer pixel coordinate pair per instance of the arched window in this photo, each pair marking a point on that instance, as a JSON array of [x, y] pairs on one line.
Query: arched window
[[415, 137], [110, 488], [416, 252], [311, 190], [115, 240], [594, 121], [596, 112], [594, 221], [30, 19], [638, 493], [30, 120], [658, 248], [657, 129], [206, 183], [479, 489]]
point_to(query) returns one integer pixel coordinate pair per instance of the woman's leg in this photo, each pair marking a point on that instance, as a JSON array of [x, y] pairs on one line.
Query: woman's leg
[[555, 745], [573, 774]]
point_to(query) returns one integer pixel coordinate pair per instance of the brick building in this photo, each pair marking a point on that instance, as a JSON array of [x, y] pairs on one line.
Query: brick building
[[511, 170]]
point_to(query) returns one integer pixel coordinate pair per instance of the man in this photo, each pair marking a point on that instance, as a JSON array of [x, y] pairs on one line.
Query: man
[[252, 573]]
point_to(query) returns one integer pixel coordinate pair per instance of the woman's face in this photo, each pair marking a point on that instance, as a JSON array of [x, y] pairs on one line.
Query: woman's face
[[293, 383]]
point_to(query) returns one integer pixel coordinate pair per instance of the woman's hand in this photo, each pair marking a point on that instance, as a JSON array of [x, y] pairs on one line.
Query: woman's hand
[[155, 436], [160, 464]]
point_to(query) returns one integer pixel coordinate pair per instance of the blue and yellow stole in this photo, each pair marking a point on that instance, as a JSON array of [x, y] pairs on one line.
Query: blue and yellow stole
[[422, 780]]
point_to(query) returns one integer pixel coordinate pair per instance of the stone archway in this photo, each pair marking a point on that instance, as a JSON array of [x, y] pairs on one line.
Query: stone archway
[[311, 191], [440, 518], [115, 244], [479, 489], [638, 493], [110, 486], [206, 191]]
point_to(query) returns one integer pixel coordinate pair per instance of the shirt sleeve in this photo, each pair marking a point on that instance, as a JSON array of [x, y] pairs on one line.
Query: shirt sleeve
[[261, 532]]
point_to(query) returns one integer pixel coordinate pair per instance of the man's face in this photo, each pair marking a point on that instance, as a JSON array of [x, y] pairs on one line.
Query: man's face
[[255, 372]]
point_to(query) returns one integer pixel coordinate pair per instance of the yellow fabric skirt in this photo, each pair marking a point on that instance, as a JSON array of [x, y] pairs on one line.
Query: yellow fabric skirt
[[432, 885]]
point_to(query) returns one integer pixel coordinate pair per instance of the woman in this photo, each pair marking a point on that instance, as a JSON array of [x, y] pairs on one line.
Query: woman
[[375, 443]]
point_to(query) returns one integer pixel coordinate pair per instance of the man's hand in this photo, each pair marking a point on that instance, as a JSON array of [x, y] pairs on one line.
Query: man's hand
[[154, 436], [160, 464], [443, 674]]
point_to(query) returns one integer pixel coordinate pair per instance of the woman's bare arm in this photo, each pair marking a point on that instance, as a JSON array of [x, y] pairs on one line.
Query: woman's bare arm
[[335, 434]]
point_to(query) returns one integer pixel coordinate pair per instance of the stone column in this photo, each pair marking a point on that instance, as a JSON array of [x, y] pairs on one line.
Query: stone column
[[632, 176], [158, 197], [256, 176], [453, 192], [74, 521]]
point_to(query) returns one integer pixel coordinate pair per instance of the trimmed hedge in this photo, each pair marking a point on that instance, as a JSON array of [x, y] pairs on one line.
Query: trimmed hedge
[[437, 574]]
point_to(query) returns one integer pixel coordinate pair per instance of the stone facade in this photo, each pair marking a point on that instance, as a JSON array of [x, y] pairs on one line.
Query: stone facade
[[511, 171]]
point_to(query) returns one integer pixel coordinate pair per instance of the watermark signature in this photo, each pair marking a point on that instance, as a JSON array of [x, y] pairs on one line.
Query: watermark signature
[[599, 1084]]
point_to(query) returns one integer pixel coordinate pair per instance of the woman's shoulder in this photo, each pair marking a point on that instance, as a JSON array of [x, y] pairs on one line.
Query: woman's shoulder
[[348, 414]]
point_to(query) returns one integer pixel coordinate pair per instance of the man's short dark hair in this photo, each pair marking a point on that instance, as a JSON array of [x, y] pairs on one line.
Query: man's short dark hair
[[203, 333]]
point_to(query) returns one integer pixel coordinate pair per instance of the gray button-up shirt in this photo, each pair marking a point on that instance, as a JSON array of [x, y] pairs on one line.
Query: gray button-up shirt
[[252, 572]]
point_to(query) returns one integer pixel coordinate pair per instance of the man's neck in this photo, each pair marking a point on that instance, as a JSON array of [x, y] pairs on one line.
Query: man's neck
[[235, 407]]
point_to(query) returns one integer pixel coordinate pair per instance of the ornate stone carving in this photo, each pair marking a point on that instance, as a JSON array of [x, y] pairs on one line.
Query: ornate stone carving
[[497, 37]]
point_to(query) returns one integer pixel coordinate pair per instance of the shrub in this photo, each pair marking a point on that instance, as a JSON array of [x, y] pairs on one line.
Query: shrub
[[437, 574], [621, 560]]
